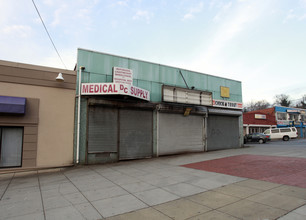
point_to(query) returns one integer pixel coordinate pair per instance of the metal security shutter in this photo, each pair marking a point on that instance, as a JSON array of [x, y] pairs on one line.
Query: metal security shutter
[[102, 129], [177, 133], [222, 132], [136, 130]]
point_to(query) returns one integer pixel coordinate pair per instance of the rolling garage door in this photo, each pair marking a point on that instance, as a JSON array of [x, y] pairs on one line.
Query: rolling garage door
[[131, 129], [178, 134], [136, 130], [102, 129], [222, 132]]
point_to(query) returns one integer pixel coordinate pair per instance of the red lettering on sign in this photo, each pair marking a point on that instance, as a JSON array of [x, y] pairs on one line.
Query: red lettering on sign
[[104, 88], [85, 89], [115, 88], [132, 90], [96, 88], [91, 89], [110, 89]]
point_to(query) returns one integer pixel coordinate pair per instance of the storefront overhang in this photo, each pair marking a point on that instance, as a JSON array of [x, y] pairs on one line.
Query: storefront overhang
[[12, 105], [224, 112], [120, 103], [181, 108]]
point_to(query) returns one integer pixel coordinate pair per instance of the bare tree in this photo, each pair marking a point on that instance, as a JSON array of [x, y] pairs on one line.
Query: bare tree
[[302, 103], [282, 100], [253, 106]]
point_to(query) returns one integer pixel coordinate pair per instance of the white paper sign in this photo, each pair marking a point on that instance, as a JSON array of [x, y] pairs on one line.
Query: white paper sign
[[122, 75]]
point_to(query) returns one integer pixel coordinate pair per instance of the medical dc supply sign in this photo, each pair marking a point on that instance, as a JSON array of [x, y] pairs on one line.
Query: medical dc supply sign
[[121, 85]]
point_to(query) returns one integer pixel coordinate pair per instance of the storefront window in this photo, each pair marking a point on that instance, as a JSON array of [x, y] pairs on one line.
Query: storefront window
[[294, 117], [281, 116], [303, 118], [10, 146]]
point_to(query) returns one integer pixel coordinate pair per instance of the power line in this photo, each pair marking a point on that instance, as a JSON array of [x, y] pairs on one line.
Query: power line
[[48, 33]]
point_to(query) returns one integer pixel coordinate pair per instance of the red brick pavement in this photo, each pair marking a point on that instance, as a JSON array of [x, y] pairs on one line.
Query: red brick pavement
[[283, 170]]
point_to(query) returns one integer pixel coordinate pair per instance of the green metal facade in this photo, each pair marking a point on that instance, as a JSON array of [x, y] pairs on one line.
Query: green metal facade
[[146, 75]]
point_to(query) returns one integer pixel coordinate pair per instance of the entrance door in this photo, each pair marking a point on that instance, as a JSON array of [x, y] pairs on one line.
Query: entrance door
[[136, 130], [10, 146]]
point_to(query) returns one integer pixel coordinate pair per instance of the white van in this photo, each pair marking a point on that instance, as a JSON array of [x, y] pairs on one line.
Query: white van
[[282, 133]]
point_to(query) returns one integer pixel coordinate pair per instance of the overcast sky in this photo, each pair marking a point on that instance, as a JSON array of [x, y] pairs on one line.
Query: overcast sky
[[261, 43]]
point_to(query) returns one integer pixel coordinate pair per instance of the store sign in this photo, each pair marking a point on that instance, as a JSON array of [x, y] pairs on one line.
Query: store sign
[[114, 89], [293, 111], [227, 104], [225, 92], [186, 96], [122, 75], [283, 122], [259, 116]]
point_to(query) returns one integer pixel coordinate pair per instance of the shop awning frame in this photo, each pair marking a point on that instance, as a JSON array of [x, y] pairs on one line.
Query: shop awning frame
[[12, 105]]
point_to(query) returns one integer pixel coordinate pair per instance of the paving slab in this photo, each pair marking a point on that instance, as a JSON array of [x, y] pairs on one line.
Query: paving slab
[[104, 193], [75, 198], [50, 178], [237, 191], [301, 210], [258, 184], [88, 211], [147, 214], [215, 181], [165, 181], [183, 189], [19, 208], [58, 189], [292, 216], [24, 182], [35, 216], [278, 201], [213, 215], [16, 195], [156, 196], [91, 184], [213, 199], [245, 209], [118, 205], [181, 209], [122, 179], [290, 191], [55, 202], [138, 187], [63, 213]]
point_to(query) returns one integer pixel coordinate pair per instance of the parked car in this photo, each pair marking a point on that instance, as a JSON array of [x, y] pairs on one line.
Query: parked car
[[282, 133], [256, 137]]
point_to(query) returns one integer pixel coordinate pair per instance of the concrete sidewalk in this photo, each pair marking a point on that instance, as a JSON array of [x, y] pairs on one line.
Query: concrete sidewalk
[[152, 189]]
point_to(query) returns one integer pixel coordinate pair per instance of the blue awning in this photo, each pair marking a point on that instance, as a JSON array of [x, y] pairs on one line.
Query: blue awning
[[12, 105]]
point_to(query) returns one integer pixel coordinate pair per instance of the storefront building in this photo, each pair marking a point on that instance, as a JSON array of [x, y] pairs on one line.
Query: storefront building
[[258, 121], [36, 116], [278, 116], [130, 109], [289, 117]]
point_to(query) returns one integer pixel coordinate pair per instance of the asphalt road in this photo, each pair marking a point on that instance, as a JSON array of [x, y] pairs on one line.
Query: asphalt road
[[278, 143]]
